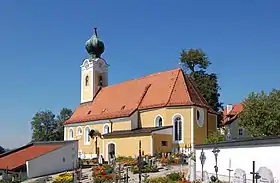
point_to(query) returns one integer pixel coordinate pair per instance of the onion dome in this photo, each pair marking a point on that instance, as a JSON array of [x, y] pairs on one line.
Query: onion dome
[[94, 46]]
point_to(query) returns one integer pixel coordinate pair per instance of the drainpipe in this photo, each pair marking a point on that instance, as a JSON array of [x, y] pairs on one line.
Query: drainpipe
[[111, 128]]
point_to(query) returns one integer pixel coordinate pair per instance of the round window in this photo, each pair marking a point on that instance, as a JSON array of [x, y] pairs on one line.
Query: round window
[[197, 115]]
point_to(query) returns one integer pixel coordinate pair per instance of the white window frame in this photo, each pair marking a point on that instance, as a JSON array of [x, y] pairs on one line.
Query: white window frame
[[69, 134], [106, 125], [174, 130], [78, 132], [86, 136], [156, 120], [200, 121]]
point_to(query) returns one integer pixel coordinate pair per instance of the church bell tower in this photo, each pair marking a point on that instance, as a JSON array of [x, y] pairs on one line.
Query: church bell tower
[[94, 70]]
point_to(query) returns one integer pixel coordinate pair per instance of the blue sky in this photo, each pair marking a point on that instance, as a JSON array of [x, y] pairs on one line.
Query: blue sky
[[42, 47]]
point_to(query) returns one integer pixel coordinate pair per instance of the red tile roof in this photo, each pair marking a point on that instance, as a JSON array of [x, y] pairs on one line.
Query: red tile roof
[[169, 88], [17, 158], [232, 115], [236, 109]]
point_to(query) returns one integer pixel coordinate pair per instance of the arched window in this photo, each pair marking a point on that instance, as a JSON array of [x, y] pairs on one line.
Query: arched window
[[86, 81], [100, 80], [86, 136], [79, 131], [71, 134], [158, 121], [106, 129], [178, 130]]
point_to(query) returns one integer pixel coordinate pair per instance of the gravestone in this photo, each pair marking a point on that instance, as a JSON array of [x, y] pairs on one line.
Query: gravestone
[[147, 159], [266, 175], [239, 176], [206, 177]]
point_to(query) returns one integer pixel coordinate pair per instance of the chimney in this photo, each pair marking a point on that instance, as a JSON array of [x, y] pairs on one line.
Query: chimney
[[229, 108]]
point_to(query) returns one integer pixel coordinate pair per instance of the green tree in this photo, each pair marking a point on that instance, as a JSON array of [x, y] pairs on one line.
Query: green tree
[[48, 127], [2, 150], [43, 126], [64, 114], [261, 114], [215, 137], [195, 63]]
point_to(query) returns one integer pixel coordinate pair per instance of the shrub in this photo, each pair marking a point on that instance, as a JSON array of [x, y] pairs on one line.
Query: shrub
[[158, 180], [145, 169], [102, 174], [63, 178], [174, 176]]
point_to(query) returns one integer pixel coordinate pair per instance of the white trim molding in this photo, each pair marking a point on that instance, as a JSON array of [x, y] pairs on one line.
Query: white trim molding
[[86, 136], [201, 112], [156, 120], [182, 123]]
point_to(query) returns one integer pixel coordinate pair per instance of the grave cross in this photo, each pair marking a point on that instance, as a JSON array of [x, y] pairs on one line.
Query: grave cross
[[256, 175], [229, 170], [140, 163]]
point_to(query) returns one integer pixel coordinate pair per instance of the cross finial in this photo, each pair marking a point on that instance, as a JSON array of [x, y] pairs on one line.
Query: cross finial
[[95, 31]]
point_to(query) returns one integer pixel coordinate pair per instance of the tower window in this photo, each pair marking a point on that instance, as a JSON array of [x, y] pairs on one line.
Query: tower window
[[86, 81], [100, 80]]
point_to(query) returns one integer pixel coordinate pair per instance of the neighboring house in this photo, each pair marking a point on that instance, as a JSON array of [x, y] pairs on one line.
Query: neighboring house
[[231, 122], [164, 110], [41, 158]]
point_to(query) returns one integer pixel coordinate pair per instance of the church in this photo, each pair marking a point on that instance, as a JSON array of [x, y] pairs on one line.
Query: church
[[164, 110]]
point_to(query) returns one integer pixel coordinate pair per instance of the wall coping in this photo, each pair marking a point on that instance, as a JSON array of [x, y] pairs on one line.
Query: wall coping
[[242, 143]]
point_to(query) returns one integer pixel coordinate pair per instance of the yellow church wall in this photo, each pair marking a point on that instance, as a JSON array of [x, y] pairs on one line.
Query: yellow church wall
[[147, 117], [185, 112], [87, 90], [128, 145], [126, 125], [86, 148], [90, 148], [157, 143], [200, 133], [212, 123]]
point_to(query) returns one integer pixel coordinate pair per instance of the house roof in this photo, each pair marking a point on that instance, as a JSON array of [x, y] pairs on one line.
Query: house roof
[[162, 89], [137, 131], [232, 115], [18, 157], [236, 109]]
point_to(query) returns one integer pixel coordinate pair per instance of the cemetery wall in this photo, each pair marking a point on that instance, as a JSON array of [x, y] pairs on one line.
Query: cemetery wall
[[240, 154]]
